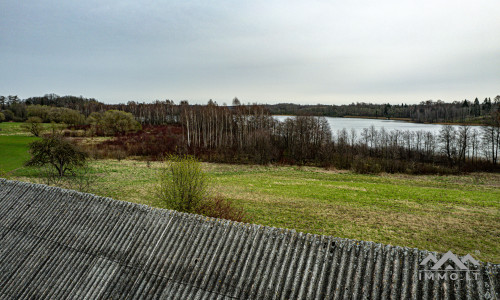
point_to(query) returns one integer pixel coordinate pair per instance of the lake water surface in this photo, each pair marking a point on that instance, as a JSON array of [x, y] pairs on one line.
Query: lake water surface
[[358, 124]]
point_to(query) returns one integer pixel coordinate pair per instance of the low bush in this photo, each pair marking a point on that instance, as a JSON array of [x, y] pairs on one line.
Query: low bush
[[182, 184], [219, 207]]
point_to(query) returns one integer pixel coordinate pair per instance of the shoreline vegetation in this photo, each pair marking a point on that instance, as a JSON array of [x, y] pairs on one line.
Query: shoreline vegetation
[[426, 112], [411, 121]]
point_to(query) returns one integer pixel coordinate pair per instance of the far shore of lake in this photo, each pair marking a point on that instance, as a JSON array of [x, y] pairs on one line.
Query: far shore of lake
[[398, 119], [410, 121]]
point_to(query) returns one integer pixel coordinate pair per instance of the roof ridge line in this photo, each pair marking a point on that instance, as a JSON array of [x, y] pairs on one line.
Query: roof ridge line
[[351, 242]]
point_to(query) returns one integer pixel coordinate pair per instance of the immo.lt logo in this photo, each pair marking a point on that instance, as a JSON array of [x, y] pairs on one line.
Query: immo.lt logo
[[448, 267]]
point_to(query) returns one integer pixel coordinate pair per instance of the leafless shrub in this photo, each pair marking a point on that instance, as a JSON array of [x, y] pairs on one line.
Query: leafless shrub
[[219, 207]]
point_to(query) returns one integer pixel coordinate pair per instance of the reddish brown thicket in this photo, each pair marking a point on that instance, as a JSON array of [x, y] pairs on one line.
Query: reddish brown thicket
[[152, 141], [219, 207]]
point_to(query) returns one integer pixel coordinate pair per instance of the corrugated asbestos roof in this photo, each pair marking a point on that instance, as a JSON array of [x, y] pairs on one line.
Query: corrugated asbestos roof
[[61, 244]]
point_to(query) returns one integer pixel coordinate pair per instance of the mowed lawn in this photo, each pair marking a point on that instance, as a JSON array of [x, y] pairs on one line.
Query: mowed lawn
[[437, 213], [13, 146], [13, 152], [14, 141]]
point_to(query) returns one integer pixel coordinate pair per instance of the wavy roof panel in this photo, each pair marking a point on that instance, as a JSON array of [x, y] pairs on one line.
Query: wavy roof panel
[[62, 244]]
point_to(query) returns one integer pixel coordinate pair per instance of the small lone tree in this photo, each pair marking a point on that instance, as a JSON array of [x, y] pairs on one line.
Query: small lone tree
[[33, 125], [56, 152], [183, 184]]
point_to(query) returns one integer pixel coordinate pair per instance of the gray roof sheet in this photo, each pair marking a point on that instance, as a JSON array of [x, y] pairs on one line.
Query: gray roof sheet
[[62, 244]]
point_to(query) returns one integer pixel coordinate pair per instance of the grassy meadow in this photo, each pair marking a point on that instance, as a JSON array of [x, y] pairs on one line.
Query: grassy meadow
[[13, 146], [437, 213], [458, 213], [11, 128], [13, 152]]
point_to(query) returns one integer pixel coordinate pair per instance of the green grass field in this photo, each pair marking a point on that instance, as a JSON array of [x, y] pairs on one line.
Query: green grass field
[[13, 146], [437, 213], [13, 152]]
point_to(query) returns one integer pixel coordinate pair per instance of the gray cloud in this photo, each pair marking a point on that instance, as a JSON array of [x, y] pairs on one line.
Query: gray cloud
[[263, 51]]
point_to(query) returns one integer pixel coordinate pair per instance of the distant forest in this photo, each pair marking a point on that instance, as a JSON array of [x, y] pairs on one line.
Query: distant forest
[[466, 111], [472, 112], [250, 134]]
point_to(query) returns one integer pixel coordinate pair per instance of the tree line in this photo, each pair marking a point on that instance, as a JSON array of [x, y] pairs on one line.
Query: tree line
[[250, 134], [253, 133], [429, 111], [167, 112]]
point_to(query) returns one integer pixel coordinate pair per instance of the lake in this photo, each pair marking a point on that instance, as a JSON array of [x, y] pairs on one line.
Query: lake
[[358, 124]]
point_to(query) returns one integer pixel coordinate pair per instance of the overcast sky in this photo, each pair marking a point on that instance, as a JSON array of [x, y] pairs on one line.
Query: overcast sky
[[330, 52]]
